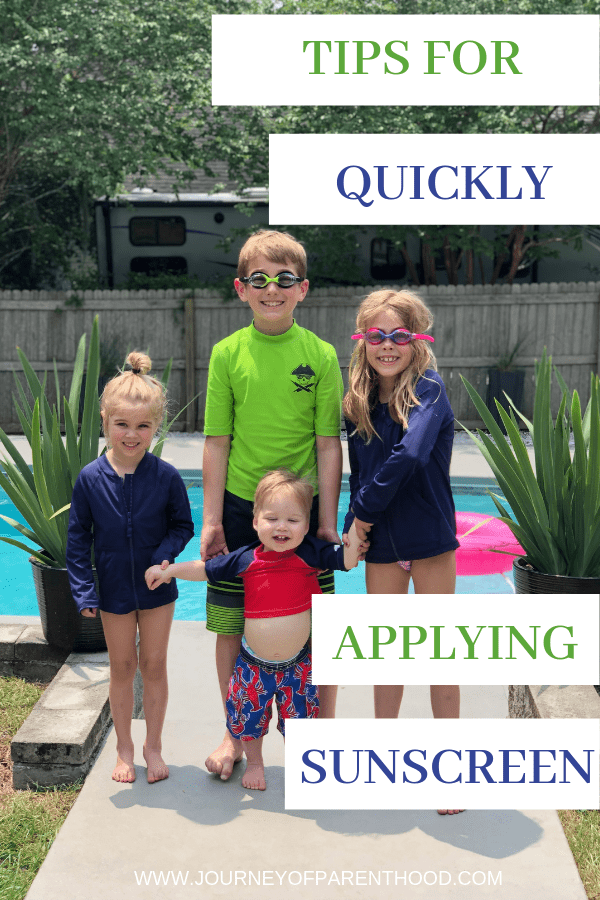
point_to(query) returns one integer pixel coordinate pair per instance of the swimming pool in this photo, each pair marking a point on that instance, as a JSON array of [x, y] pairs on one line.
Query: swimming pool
[[17, 595]]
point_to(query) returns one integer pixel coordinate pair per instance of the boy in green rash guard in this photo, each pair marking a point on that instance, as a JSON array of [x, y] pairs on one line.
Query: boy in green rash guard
[[273, 399]]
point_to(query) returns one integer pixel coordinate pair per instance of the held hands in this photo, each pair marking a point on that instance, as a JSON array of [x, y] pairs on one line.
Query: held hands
[[354, 549], [157, 575], [212, 542], [361, 528], [90, 613]]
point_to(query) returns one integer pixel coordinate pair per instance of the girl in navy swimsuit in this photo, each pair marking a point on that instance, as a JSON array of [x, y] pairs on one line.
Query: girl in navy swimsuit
[[134, 509], [400, 431]]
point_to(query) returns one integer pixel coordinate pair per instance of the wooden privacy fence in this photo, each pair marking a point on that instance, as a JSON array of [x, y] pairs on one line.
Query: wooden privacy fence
[[474, 327]]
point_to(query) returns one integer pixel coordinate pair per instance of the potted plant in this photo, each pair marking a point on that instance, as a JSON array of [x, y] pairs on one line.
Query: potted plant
[[43, 493], [505, 379], [554, 510]]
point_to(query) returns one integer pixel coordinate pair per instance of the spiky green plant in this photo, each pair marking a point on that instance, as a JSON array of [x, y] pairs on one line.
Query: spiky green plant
[[556, 507], [43, 493]]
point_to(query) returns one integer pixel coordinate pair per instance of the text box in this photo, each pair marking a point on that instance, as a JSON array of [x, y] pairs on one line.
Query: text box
[[441, 764], [456, 179], [386, 60], [397, 639]]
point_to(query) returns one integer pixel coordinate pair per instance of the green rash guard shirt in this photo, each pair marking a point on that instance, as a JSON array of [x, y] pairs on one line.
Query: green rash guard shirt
[[273, 394]]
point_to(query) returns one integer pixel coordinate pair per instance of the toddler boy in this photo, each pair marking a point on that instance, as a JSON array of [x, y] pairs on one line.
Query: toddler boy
[[279, 576]]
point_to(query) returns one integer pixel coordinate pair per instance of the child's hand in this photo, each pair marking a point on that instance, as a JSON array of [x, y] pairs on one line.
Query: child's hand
[[362, 547], [330, 535], [157, 575], [362, 528], [212, 542], [90, 613]]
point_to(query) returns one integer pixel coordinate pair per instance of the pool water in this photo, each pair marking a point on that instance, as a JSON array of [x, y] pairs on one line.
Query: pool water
[[17, 595]]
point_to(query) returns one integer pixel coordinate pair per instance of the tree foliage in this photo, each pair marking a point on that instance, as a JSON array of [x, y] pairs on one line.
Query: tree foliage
[[94, 91]]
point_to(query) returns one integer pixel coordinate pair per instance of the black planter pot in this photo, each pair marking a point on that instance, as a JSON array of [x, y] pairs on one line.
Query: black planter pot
[[502, 381], [529, 581], [62, 625]]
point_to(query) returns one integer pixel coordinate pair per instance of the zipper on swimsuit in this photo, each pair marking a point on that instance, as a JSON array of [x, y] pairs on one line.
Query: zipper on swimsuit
[[128, 508]]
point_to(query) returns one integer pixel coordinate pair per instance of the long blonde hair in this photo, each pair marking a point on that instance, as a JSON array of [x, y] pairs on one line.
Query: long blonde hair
[[363, 393]]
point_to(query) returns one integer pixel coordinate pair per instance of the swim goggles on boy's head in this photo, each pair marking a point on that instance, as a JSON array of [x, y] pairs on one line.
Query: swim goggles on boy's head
[[283, 280], [398, 335]]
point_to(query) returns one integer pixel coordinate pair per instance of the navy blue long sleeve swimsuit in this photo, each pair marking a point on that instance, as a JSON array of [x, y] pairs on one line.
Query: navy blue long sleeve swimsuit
[[401, 483], [133, 522]]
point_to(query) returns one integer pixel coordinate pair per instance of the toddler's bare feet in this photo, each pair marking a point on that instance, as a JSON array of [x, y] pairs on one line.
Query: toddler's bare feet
[[254, 777], [124, 770], [157, 768], [449, 812], [228, 753]]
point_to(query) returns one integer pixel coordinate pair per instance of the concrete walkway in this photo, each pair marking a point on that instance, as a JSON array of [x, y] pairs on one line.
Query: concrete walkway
[[194, 823], [130, 841]]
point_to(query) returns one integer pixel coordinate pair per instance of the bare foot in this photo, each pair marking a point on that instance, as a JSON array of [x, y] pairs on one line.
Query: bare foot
[[449, 812], [157, 768], [228, 753], [124, 770], [254, 777]]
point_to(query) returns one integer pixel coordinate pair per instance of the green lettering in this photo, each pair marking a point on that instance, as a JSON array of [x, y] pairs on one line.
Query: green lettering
[[360, 55], [470, 643], [407, 643], [316, 54], [570, 647], [377, 643], [401, 59], [532, 651], [431, 56], [458, 51], [509, 59], [436, 644]]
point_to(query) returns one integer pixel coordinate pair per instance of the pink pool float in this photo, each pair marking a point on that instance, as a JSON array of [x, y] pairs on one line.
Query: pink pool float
[[476, 555]]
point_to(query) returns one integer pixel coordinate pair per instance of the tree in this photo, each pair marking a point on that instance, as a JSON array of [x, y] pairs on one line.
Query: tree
[[92, 91]]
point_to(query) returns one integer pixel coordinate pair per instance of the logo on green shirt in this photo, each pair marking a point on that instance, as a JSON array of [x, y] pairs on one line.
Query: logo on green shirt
[[303, 378]]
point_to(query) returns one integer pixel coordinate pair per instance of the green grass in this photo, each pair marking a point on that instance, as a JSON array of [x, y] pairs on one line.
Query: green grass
[[582, 828], [29, 820]]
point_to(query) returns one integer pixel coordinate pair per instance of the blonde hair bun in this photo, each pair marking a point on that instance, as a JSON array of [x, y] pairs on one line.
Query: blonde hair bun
[[140, 363], [135, 385]]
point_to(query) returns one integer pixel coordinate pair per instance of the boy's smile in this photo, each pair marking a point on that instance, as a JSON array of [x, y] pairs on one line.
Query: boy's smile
[[281, 524], [273, 306]]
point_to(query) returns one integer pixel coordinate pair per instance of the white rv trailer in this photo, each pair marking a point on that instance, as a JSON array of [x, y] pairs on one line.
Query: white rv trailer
[[149, 232]]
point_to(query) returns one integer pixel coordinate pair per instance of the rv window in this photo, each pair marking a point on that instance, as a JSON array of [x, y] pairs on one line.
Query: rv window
[[156, 265], [387, 263], [161, 231]]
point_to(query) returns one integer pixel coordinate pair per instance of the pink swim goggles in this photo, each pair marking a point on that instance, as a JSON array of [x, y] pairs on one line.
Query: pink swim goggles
[[398, 336]]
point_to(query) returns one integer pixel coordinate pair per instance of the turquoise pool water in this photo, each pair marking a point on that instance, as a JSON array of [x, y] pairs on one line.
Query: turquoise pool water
[[17, 596]]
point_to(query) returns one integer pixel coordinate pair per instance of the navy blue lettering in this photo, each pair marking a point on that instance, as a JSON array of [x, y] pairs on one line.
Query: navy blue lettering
[[381, 185], [471, 180], [507, 766], [413, 765], [353, 195], [432, 185], [313, 765], [504, 185], [435, 766], [483, 767]]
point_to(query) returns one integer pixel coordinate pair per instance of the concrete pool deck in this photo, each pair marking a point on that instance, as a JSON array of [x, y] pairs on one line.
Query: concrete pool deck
[[194, 823], [184, 451]]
